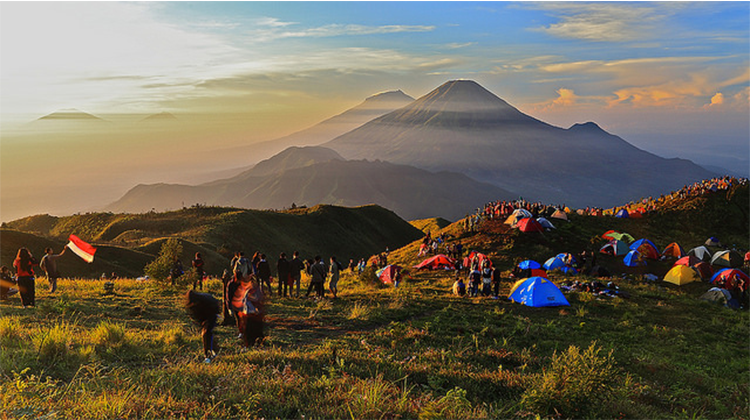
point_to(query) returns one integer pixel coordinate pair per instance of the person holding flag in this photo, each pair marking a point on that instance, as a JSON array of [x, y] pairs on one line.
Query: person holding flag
[[49, 265]]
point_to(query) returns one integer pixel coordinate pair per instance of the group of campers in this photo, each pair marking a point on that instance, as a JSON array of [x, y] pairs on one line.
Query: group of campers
[[23, 282], [247, 282]]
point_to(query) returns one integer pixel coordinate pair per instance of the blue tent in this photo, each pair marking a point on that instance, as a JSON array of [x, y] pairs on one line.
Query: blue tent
[[553, 263], [569, 270], [623, 214], [538, 292], [637, 244], [633, 259], [529, 264]]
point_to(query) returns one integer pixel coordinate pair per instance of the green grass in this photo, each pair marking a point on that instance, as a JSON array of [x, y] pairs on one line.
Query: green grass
[[412, 352]]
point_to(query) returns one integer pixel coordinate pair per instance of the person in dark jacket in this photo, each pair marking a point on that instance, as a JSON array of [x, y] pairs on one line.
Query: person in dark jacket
[[23, 264], [295, 270], [227, 317], [198, 264], [49, 265], [318, 274], [282, 270], [264, 273], [204, 310]]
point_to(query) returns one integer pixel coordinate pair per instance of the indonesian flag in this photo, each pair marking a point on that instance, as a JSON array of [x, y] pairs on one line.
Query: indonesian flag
[[82, 249]]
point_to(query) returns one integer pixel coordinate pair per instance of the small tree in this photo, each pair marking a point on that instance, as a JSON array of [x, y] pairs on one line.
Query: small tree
[[160, 268]]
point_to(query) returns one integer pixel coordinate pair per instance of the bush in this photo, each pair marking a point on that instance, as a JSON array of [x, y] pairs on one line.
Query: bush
[[108, 334], [160, 268], [10, 330], [53, 343], [575, 385]]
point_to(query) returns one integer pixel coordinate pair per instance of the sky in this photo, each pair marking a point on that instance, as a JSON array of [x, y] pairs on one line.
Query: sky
[[670, 77]]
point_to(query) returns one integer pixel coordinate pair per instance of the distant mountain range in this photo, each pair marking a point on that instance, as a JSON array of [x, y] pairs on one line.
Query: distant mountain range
[[314, 175], [442, 155], [462, 127]]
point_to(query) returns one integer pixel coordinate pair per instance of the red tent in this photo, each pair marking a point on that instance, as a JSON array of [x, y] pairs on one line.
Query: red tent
[[480, 259], [731, 279], [704, 269], [388, 274], [673, 250], [648, 251], [437, 262], [529, 225]]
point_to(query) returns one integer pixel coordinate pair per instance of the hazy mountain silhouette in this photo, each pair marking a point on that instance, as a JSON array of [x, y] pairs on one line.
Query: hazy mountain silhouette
[[316, 175], [69, 115], [162, 116], [372, 107], [462, 127]]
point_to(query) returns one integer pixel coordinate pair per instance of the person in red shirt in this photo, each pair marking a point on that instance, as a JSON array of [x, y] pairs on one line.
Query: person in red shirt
[[23, 264]]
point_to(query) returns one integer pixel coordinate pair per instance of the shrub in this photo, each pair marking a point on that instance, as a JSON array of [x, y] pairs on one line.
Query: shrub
[[53, 343], [359, 311], [577, 384], [108, 334], [160, 268], [453, 405]]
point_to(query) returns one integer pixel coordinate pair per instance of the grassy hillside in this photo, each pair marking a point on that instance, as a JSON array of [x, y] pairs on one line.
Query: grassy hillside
[[430, 225], [128, 241]]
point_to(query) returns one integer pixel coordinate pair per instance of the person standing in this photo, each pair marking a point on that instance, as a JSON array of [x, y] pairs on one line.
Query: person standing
[[318, 274], [176, 271], [198, 264], [249, 307], [241, 267], [226, 278], [295, 269], [264, 273], [204, 309], [282, 270], [23, 264], [49, 265], [335, 273]]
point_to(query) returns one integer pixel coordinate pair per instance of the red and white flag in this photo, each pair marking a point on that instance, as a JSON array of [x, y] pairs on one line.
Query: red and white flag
[[82, 249]]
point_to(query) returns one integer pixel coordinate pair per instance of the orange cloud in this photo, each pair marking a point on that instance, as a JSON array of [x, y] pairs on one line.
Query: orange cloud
[[567, 98]]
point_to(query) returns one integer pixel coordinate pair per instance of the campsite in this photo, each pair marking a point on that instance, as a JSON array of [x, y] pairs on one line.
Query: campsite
[[414, 351]]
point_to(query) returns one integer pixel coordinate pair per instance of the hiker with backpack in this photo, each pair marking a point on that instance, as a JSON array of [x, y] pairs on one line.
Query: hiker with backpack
[[49, 265], [204, 310], [198, 265], [335, 273]]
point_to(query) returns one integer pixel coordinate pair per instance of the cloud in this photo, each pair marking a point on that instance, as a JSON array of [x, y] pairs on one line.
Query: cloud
[[606, 22], [567, 97], [717, 99], [335, 30], [455, 46]]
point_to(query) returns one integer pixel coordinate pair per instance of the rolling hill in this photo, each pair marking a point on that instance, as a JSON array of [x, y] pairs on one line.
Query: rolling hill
[[316, 175], [127, 242], [462, 127]]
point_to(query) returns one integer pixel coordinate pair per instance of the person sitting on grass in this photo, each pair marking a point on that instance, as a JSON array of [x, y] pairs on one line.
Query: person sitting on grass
[[459, 287], [6, 282], [204, 310]]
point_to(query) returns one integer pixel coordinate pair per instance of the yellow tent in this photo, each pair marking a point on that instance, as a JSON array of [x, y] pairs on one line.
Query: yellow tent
[[559, 214], [511, 220], [681, 274]]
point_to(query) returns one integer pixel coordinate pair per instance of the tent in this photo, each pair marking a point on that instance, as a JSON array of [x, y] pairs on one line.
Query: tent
[[545, 223], [717, 295], [529, 264], [637, 244], [689, 261], [569, 270], [731, 278], [388, 273], [553, 263], [481, 258], [623, 214], [439, 261], [704, 269], [747, 256], [681, 274], [511, 220], [633, 259], [625, 237], [567, 258], [521, 213], [559, 214], [673, 250], [729, 258], [701, 252], [529, 224], [538, 292], [615, 247], [712, 241]]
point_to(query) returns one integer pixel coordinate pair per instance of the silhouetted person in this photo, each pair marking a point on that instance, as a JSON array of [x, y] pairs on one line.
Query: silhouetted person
[[295, 271], [23, 264], [283, 271], [204, 309], [49, 265], [198, 264]]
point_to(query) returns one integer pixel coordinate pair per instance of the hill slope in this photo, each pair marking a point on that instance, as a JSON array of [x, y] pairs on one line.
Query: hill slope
[[462, 127], [126, 242], [316, 175]]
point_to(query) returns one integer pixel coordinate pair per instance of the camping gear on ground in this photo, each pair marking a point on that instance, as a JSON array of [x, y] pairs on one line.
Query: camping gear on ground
[[728, 258], [712, 241], [439, 261], [717, 295], [623, 214], [673, 250], [538, 292], [681, 274], [615, 247], [633, 259], [701, 252]]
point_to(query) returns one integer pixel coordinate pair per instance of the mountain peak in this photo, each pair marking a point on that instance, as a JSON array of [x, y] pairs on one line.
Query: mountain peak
[[587, 126], [162, 116], [390, 95], [70, 115]]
